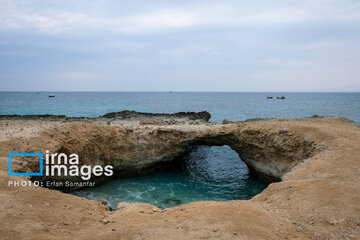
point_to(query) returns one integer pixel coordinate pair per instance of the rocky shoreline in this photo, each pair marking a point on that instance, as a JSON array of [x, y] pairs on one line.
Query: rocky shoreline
[[301, 155], [123, 115]]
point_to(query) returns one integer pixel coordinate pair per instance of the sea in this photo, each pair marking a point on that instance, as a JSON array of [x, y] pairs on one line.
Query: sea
[[207, 173]]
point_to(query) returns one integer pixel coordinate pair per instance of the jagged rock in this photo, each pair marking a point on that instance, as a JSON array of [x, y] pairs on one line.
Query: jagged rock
[[103, 202], [226, 121], [139, 115]]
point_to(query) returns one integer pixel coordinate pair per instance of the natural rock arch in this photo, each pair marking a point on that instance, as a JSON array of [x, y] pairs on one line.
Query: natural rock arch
[[138, 143], [136, 150]]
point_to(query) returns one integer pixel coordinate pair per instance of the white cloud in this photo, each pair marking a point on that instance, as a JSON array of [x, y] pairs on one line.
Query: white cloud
[[164, 19], [95, 45], [67, 20]]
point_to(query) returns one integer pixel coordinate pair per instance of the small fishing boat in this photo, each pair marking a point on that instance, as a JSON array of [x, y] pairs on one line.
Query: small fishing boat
[[51, 95], [282, 97], [269, 97]]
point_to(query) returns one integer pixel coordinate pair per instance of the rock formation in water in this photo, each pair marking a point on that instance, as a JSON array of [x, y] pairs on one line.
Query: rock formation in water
[[148, 143]]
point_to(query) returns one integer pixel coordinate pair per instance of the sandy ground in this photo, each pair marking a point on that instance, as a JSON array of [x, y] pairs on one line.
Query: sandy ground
[[318, 199]]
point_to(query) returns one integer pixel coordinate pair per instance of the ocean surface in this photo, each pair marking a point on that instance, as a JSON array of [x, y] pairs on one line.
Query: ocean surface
[[208, 173], [232, 106]]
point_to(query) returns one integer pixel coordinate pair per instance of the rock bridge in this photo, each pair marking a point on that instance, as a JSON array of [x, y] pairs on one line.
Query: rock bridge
[[138, 143]]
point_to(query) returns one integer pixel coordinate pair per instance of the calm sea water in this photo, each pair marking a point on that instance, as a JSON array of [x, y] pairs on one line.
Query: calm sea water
[[233, 106], [209, 173]]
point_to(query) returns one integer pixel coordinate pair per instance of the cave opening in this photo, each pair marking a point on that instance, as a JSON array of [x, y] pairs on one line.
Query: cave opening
[[204, 173]]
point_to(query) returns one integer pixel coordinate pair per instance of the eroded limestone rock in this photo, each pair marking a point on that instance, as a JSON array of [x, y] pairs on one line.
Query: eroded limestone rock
[[135, 149]]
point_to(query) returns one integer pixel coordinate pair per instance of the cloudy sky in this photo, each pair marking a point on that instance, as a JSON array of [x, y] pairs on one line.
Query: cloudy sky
[[307, 45]]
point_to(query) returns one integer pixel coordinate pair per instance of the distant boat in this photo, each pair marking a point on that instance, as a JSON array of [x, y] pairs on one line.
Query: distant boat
[[282, 97], [51, 95], [269, 97]]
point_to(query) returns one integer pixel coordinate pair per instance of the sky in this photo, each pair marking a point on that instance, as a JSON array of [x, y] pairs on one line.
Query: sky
[[141, 45]]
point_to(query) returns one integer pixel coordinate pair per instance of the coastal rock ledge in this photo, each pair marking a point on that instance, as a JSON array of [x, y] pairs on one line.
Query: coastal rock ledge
[[138, 143], [314, 162]]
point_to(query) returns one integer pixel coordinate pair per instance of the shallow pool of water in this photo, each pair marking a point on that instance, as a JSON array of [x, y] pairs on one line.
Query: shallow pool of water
[[207, 173]]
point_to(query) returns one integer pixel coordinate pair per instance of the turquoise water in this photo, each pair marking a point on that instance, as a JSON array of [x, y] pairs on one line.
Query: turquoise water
[[208, 173]]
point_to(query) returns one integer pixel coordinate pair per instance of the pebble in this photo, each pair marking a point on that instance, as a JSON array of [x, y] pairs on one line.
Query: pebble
[[104, 221]]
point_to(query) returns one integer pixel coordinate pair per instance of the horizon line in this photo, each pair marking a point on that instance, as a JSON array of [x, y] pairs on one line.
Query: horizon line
[[102, 91]]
